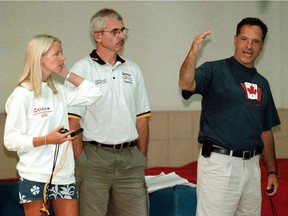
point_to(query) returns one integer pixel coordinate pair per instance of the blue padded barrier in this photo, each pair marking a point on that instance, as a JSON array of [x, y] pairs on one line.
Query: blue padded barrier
[[179, 200]]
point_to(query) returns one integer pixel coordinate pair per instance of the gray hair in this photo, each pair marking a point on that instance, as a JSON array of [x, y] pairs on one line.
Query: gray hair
[[97, 21]]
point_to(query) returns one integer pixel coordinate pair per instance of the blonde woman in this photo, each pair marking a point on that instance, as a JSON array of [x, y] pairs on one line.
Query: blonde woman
[[36, 111]]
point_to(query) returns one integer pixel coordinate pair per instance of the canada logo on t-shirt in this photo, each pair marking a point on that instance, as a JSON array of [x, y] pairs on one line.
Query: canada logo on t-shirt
[[252, 91]]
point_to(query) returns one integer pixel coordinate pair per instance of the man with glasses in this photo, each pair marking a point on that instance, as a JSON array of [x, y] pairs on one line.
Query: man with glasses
[[111, 154]]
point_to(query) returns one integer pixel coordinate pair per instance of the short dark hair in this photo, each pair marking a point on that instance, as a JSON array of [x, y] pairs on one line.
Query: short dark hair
[[253, 21]]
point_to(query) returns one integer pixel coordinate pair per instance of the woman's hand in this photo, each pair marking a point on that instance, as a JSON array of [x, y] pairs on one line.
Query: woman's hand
[[55, 137], [63, 73]]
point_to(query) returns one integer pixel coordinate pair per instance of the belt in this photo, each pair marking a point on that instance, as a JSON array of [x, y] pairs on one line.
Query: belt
[[117, 146], [245, 155]]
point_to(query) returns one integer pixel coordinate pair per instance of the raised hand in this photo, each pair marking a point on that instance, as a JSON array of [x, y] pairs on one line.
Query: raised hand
[[197, 43]]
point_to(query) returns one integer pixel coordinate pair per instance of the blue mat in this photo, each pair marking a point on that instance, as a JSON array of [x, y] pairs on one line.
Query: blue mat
[[179, 200]]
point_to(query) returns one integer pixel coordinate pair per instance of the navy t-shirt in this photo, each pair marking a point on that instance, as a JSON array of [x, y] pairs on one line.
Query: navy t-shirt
[[237, 105]]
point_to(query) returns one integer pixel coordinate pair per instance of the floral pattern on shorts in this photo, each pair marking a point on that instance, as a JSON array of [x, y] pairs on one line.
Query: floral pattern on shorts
[[30, 191]]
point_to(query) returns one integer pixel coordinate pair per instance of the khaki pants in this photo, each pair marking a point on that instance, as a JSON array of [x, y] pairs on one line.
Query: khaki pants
[[111, 182], [228, 186]]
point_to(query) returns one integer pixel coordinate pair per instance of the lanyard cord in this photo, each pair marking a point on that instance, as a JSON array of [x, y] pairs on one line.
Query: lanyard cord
[[274, 213], [44, 210]]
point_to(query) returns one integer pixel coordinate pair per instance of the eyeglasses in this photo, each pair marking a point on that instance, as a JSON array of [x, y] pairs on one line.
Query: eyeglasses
[[115, 32]]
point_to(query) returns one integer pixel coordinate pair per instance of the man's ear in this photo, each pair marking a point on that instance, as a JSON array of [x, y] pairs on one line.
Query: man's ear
[[235, 40], [97, 36]]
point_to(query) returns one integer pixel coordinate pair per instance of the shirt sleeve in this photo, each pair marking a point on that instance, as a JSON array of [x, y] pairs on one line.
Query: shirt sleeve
[[15, 137], [142, 106], [86, 93], [203, 76], [271, 118], [77, 110]]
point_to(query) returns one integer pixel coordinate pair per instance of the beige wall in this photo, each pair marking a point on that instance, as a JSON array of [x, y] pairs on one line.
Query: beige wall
[[160, 34], [173, 140]]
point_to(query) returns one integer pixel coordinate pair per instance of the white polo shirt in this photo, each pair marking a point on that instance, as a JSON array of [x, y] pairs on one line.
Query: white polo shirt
[[112, 119]]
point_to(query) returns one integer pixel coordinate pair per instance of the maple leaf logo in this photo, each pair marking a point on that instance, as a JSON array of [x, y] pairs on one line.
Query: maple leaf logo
[[252, 90]]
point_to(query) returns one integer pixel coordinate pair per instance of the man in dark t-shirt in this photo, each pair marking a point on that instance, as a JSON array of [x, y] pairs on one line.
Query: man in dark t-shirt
[[237, 117]]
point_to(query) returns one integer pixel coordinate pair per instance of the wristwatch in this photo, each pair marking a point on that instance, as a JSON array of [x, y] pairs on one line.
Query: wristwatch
[[274, 173]]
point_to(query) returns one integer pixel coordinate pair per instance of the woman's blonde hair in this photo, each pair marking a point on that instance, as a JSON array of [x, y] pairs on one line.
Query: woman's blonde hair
[[32, 72]]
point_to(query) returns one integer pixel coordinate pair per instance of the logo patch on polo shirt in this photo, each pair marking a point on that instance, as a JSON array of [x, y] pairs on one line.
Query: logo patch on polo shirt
[[127, 78], [99, 81], [252, 91]]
